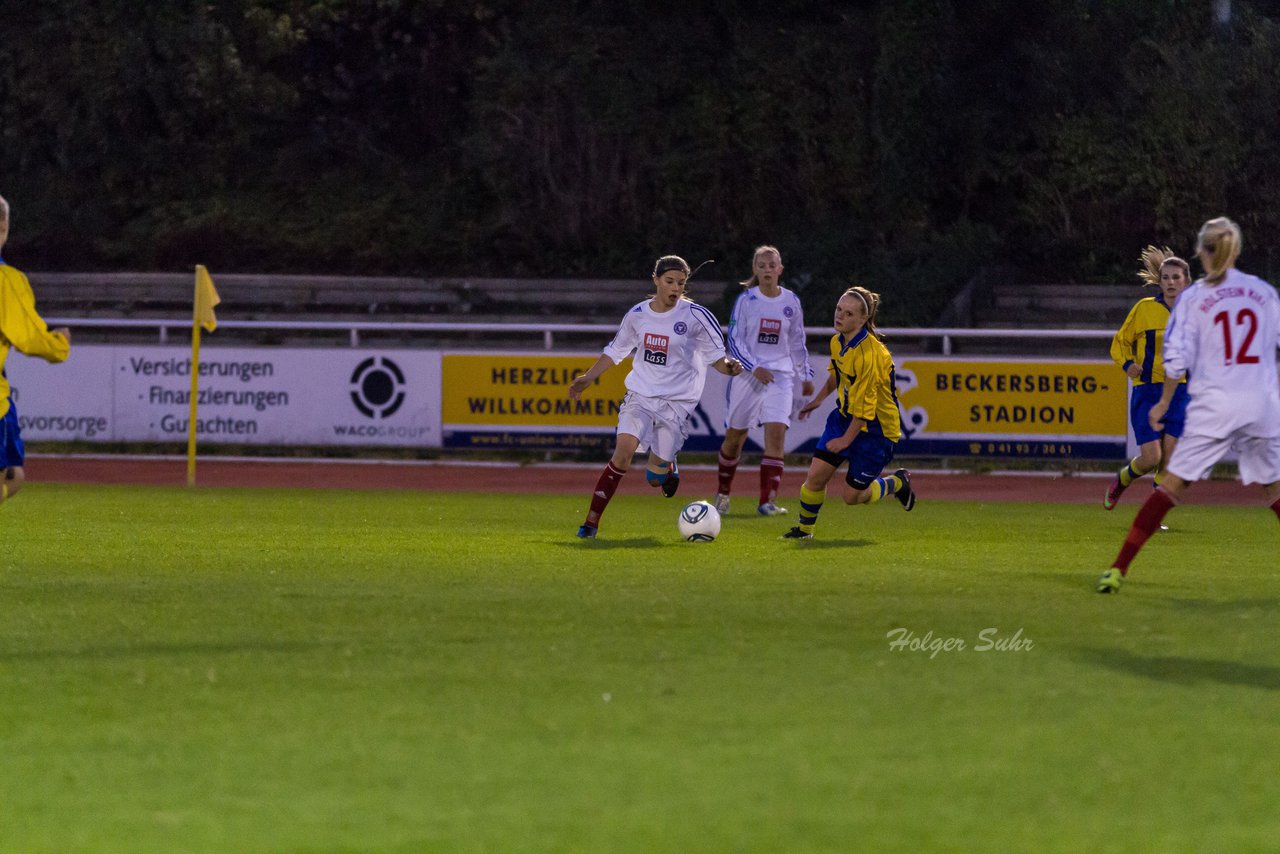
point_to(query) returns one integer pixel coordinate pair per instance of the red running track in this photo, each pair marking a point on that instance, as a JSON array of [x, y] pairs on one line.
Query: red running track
[[489, 477]]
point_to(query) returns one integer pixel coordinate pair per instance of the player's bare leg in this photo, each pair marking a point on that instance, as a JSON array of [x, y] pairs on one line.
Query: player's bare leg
[[1147, 461]]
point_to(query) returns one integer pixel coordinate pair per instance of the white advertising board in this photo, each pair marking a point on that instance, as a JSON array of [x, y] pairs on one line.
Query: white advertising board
[[250, 396]]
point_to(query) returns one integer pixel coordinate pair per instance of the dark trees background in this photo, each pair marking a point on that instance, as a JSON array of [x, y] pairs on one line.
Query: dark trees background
[[903, 144]]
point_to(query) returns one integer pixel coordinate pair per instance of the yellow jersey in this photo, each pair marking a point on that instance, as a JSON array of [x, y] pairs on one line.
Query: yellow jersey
[[1141, 338], [21, 327], [866, 383]]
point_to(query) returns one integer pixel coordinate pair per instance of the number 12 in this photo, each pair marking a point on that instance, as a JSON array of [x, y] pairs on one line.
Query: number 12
[[1243, 316]]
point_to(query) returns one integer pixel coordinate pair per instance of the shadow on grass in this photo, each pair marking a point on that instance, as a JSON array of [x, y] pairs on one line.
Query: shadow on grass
[[833, 544], [147, 650], [1184, 671], [625, 543]]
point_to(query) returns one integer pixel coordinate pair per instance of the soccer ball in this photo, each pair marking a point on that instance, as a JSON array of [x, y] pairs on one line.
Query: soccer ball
[[699, 522]]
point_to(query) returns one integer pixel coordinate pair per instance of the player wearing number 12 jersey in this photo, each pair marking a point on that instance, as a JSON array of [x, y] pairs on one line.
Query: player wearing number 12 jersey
[[1222, 335]]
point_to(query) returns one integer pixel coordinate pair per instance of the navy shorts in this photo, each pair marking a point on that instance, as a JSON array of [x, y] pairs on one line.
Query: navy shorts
[[1140, 402], [12, 453], [867, 454]]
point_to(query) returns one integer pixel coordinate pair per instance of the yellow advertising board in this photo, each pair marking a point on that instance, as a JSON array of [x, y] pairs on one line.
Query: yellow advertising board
[[520, 395], [1013, 408]]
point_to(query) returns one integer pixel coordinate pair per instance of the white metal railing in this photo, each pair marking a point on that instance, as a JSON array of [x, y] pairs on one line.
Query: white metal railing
[[548, 331]]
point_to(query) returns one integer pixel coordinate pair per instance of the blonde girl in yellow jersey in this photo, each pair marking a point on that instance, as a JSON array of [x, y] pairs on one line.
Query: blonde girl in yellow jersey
[[865, 426], [1136, 348]]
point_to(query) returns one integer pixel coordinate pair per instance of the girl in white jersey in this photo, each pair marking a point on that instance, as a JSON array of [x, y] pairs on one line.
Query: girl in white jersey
[[766, 334], [673, 340], [1222, 335]]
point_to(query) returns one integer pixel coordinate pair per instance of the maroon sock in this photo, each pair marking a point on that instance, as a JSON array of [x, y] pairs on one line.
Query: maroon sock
[[1275, 508], [728, 468], [1144, 525], [770, 478], [605, 486]]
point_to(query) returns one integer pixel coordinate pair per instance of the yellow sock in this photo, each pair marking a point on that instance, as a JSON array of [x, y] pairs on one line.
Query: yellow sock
[[1130, 472], [882, 486], [810, 504]]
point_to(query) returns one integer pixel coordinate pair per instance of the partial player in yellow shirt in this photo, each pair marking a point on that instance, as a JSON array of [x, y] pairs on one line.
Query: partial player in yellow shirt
[[23, 329], [1136, 349], [866, 424]]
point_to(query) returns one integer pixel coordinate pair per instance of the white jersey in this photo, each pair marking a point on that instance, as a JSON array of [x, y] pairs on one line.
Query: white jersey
[[768, 332], [1223, 338], [672, 350]]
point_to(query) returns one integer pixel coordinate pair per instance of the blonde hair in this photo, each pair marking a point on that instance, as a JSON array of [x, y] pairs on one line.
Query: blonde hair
[[871, 302], [760, 250], [1155, 260], [1218, 244]]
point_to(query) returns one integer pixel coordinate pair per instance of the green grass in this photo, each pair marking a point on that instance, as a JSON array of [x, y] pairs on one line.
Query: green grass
[[288, 670]]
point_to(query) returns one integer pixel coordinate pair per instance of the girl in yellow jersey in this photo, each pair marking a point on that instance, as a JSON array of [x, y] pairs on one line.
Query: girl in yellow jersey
[[1136, 349], [22, 329], [865, 426]]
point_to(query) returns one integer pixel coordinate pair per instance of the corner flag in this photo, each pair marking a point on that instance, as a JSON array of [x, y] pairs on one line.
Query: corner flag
[[206, 298], [202, 315]]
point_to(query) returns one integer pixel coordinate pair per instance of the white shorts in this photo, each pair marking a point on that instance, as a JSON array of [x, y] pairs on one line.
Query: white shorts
[[660, 425], [1259, 457], [752, 402]]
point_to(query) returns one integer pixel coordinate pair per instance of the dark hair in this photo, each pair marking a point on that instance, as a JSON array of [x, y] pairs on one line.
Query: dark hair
[[670, 262]]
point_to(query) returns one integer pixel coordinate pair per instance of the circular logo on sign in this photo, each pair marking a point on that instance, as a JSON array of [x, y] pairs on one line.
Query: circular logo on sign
[[680, 328], [377, 387], [788, 311]]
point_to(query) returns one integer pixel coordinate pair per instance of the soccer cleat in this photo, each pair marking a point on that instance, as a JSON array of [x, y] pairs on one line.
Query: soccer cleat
[[586, 532], [769, 509], [796, 534], [672, 483], [906, 495], [1110, 581], [1164, 527], [1112, 497], [722, 504]]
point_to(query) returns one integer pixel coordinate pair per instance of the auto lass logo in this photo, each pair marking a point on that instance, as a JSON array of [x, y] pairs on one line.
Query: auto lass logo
[[377, 387]]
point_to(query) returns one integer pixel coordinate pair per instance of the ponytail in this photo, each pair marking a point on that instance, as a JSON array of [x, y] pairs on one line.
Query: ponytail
[[1219, 245]]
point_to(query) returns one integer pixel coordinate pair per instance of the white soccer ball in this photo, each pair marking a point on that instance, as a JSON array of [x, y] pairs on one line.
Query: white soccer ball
[[699, 522]]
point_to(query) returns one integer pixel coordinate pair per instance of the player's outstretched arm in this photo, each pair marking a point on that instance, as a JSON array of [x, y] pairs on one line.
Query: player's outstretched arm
[[582, 381]]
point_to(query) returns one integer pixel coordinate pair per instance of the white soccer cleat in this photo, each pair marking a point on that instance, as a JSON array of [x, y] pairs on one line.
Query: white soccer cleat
[[722, 504], [770, 509]]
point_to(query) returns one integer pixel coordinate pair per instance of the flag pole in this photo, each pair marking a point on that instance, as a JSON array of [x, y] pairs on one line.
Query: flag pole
[[195, 388]]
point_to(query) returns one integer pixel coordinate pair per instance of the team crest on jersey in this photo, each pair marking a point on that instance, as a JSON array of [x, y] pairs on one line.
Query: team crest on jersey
[[655, 348], [789, 311], [680, 328], [770, 330]]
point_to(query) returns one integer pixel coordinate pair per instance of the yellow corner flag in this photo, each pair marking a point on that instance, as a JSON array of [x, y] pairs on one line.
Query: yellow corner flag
[[202, 315], [206, 298]]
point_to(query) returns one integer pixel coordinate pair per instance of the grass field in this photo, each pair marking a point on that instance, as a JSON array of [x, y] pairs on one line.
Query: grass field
[[275, 670]]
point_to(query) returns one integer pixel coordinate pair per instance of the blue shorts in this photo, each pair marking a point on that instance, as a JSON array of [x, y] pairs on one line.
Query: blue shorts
[[1140, 402], [12, 453], [867, 454]]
